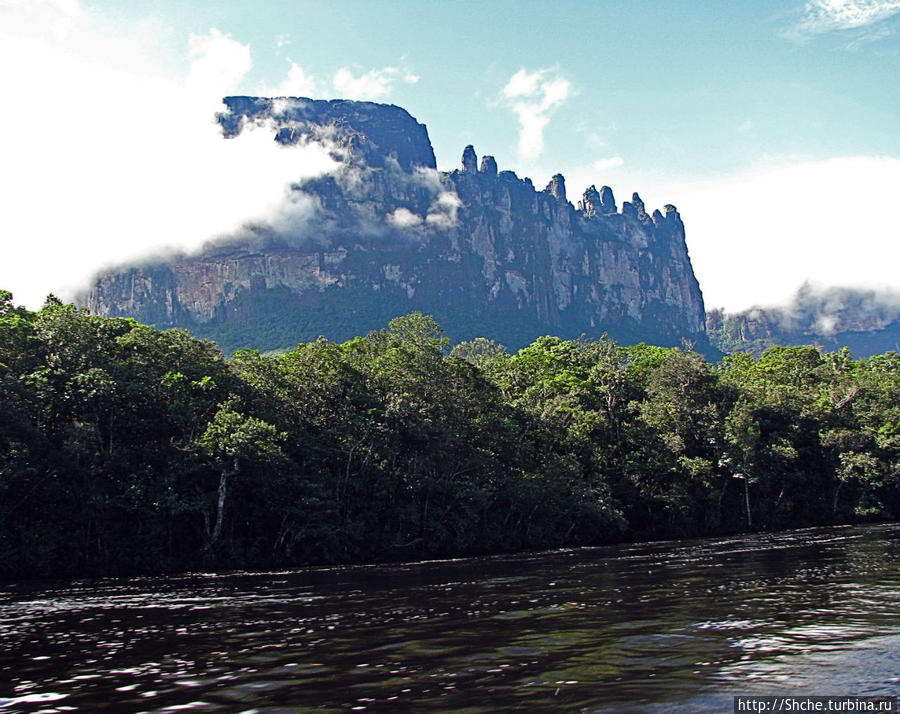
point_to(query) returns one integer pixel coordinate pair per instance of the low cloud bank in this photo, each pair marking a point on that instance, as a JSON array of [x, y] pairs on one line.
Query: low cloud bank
[[826, 311], [110, 154], [756, 236]]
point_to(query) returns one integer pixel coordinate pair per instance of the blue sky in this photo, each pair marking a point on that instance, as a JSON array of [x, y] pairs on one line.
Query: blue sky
[[773, 126]]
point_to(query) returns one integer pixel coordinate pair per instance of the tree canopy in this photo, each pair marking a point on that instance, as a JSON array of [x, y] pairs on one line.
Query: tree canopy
[[128, 449]]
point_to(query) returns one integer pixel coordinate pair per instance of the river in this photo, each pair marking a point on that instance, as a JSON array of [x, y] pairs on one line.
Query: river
[[665, 626]]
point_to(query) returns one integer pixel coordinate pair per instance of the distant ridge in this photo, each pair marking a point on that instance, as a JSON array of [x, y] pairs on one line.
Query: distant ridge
[[865, 321]]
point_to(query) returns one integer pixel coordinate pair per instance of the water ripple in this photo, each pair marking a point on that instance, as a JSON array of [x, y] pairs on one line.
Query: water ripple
[[665, 626]]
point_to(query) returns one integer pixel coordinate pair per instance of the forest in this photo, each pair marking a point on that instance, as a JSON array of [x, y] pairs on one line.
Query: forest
[[125, 449]]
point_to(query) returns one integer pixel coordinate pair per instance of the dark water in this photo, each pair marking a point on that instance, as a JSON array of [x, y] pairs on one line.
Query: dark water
[[671, 626]]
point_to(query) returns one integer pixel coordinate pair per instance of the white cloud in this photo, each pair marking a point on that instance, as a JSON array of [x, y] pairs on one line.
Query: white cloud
[[295, 207], [297, 84], [428, 178], [110, 154], [404, 218], [59, 17], [756, 237], [218, 64], [443, 210], [534, 96], [613, 162], [522, 84], [374, 84], [821, 16]]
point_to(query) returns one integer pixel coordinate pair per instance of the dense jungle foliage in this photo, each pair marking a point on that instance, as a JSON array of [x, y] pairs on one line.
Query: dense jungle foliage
[[128, 449]]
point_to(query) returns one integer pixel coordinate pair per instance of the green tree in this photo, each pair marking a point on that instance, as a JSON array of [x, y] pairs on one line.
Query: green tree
[[230, 440]]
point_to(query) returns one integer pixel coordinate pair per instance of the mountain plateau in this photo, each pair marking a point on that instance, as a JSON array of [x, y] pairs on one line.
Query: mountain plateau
[[385, 233]]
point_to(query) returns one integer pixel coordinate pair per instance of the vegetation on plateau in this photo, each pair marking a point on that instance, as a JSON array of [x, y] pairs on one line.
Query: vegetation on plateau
[[128, 449]]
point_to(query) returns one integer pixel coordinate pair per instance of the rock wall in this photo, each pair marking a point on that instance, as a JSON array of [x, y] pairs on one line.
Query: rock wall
[[386, 233]]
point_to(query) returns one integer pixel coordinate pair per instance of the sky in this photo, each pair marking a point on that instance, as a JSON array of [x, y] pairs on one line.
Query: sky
[[773, 126]]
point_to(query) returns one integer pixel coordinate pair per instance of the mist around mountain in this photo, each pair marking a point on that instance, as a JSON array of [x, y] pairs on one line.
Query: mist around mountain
[[866, 321], [383, 232]]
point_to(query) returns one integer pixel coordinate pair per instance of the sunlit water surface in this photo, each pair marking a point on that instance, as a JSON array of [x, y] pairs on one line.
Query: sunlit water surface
[[667, 626]]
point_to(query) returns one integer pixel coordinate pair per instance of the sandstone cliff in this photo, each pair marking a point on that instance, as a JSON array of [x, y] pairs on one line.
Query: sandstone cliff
[[385, 233]]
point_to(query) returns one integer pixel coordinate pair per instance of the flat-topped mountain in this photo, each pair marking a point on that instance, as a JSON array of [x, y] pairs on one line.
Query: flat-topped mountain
[[385, 233], [372, 133]]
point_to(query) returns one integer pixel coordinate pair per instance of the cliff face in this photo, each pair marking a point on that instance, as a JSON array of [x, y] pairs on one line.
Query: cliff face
[[386, 233]]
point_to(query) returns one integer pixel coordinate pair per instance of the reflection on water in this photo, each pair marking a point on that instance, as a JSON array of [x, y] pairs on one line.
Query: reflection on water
[[661, 626]]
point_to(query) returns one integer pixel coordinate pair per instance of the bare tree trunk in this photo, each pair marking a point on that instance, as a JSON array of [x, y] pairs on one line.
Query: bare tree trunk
[[747, 499], [220, 506]]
